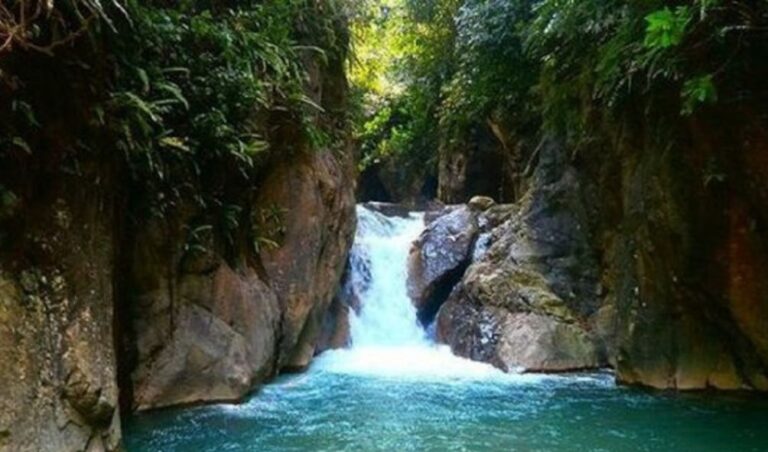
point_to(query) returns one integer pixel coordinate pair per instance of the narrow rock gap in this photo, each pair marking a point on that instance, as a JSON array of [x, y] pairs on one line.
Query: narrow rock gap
[[441, 292]]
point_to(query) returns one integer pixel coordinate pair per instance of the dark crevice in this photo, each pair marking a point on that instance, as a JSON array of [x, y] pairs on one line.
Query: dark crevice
[[124, 333], [442, 290]]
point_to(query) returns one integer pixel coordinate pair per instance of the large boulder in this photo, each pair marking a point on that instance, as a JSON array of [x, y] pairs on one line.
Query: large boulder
[[527, 300], [455, 236], [212, 341], [515, 341], [439, 257], [510, 318]]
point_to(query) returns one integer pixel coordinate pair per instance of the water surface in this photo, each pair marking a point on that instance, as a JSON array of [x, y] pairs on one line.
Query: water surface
[[395, 390], [327, 411]]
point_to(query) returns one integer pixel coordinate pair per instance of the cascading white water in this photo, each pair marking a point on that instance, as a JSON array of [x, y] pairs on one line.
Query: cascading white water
[[387, 339], [378, 277]]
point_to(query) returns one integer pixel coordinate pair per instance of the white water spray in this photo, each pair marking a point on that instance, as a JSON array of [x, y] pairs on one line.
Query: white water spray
[[387, 339], [379, 273]]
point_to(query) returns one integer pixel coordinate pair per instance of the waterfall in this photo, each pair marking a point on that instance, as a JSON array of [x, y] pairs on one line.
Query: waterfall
[[387, 339], [378, 277]]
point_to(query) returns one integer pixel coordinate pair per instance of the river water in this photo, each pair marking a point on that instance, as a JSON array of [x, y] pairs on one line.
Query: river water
[[395, 390]]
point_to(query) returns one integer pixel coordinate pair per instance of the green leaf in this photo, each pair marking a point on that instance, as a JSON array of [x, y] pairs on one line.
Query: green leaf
[[174, 143], [698, 91], [175, 91], [666, 28], [21, 143]]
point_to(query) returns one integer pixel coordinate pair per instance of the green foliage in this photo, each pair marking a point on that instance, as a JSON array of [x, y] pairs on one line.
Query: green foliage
[[196, 96], [457, 63], [491, 70], [268, 228], [666, 27], [398, 72], [698, 90], [193, 82], [608, 55], [203, 88]]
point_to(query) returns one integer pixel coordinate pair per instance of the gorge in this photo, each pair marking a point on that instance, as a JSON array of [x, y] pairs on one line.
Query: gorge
[[383, 225], [396, 389]]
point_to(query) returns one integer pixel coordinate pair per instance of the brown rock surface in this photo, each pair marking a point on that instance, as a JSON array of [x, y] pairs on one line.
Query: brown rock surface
[[212, 329], [522, 304], [57, 372], [305, 270]]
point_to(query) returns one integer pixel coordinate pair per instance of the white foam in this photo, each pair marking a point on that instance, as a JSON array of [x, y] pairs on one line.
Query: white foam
[[404, 362], [387, 340], [379, 274]]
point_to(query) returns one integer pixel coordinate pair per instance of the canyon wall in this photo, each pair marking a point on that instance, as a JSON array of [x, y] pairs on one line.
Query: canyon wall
[[107, 306], [639, 253]]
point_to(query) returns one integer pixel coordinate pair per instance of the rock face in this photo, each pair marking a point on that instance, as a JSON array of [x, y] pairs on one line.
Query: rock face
[[213, 317], [482, 165], [58, 372], [306, 270], [96, 294], [687, 269], [439, 258], [650, 260], [212, 328], [525, 303], [202, 335]]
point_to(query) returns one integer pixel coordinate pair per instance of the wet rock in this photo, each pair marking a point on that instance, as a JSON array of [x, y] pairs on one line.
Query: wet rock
[[336, 329], [213, 343], [513, 321], [305, 271], [481, 203], [522, 303], [438, 259], [516, 342]]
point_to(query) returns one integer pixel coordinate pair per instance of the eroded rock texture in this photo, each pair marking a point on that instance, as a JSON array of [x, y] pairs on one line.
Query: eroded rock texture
[[525, 303], [687, 267], [213, 325], [632, 253], [439, 257], [57, 372]]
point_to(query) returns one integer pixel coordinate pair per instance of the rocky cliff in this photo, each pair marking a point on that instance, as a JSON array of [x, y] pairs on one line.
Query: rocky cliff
[[686, 262], [206, 328], [527, 296], [635, 254], [58, 217], [120, 292]]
